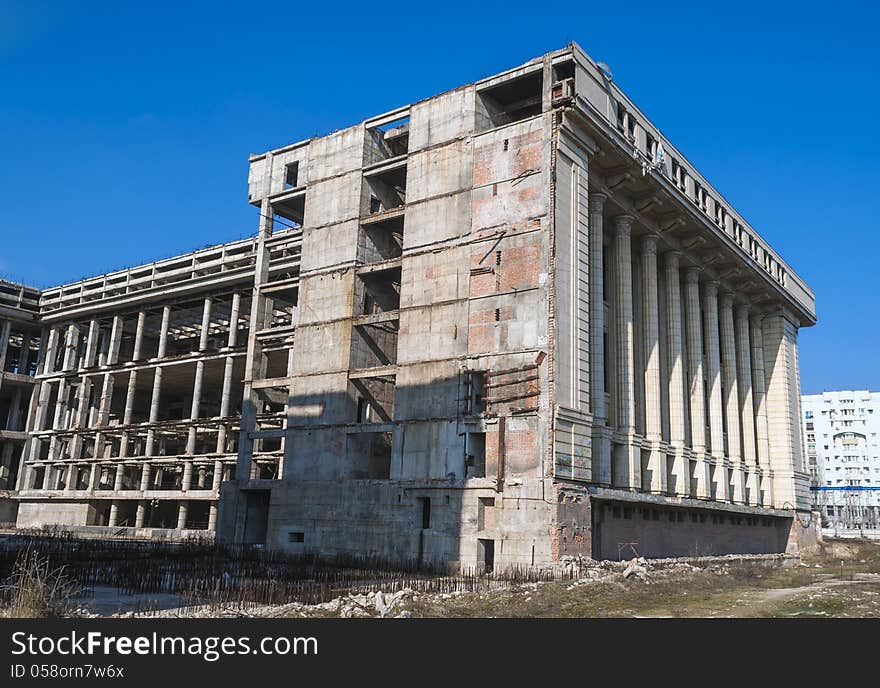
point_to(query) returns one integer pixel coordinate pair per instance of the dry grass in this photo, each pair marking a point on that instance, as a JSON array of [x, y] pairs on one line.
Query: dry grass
[[35, 590]]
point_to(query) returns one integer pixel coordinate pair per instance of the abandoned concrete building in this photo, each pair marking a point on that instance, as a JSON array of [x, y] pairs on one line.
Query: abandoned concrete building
[[495, 327]]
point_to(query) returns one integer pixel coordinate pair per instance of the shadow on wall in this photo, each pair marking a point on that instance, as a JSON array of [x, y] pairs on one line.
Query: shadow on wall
[[374, 468]]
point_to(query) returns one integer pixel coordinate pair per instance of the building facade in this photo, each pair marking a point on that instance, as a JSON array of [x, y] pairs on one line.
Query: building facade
[[843, 456], [495, 327]]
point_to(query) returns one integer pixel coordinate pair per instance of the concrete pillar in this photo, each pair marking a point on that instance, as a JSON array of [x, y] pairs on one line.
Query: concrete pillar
[[233, 319], [746, 402], [181, 514], [163, 332], [713, 379], [601, 443], [694, 332], [51, 343], [217, 477], [70, 481], [5, 331], [145, 476], [71, 339], [140, 514], [653, 412], [227, 372], [91, 345], [157, 382], [129, 406], [212, 517], [115, 340], [139, 336], [762, 437], [730, 389], [628, 462], [114, 514], [186, 482], [194, 408], [675, 366], [206, 324], [24, 356], [60, 405]]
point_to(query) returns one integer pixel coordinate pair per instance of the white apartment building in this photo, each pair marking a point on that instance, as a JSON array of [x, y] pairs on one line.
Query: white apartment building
[[843, 456]]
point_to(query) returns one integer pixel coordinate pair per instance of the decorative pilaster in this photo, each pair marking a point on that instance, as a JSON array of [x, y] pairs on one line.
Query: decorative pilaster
[[730, 390], [747, 402], [651, 311], [695, 382], [628, 463], [601, 443]]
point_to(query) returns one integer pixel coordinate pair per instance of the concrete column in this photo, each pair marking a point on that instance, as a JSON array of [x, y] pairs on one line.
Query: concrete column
[[206, 324], [114, 514], [730, 388], [163, 332], [186, 482], [51, 343], [681, 468], [115, 340], [194, 408], [628, 463], [653, 413], [227, 371], [139, 336], [70, 482], [601, 443], [181, 514], [25, 354], [746, 401], [5, 331], [157, 382], [126, 416], [93, 476], [713, 378], [694, 332], [233, 319], [60, 404], [212, 517], [91, 345], [71, 337], [139, 515], [217, 478], [762, 437], [145, 476]]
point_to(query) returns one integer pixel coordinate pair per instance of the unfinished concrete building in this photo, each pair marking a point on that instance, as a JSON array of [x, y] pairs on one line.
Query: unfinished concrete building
[[496, 327]]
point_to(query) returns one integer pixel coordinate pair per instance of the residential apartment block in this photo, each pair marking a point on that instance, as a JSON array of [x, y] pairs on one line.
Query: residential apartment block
[[843, 456]]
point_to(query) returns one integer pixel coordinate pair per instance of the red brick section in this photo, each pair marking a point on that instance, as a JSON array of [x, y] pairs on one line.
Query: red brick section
[[572, 534], [492, 163], [517, 269]]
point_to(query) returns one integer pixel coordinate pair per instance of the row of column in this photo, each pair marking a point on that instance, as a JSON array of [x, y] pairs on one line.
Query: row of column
[[722, 348], [98, 415]]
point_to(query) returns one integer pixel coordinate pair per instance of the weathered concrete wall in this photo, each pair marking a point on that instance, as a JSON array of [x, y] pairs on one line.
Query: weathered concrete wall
[[36, 514]]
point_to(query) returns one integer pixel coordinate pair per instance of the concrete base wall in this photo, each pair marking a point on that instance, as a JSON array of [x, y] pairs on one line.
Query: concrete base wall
[[37, 514], [386, 519], [624, 530]]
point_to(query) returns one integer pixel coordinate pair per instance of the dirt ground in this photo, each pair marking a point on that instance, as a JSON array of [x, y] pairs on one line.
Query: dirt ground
[[841, 579]]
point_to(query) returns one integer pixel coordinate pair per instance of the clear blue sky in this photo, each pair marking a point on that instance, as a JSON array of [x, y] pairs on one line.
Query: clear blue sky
[[125, 127]]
